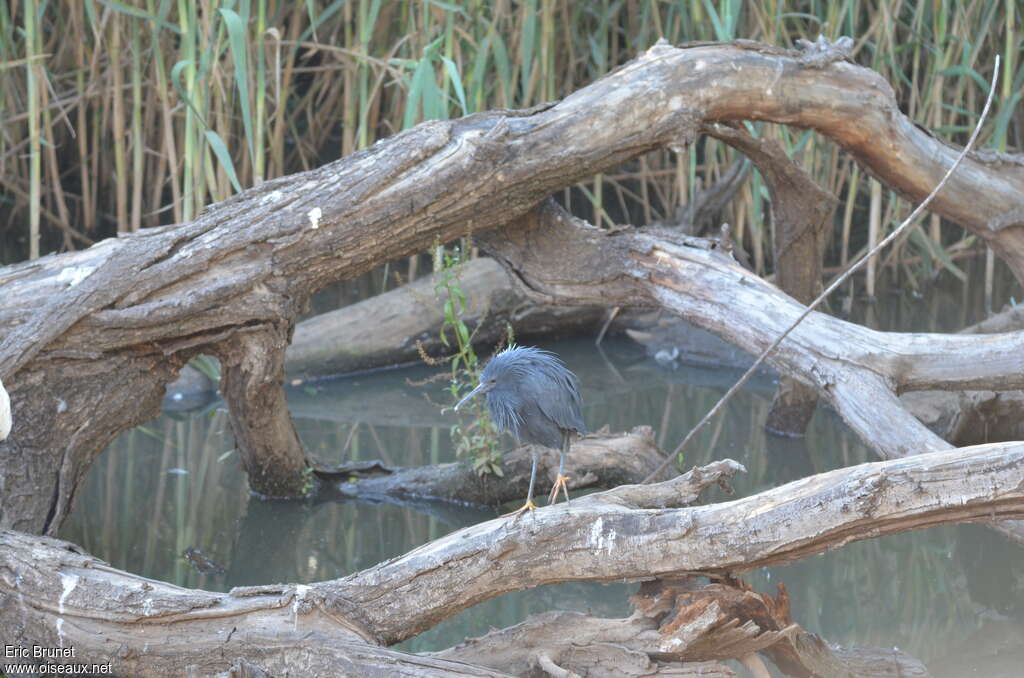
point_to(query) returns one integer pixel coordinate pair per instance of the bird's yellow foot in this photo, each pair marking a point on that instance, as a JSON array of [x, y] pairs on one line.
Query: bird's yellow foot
[[528, 506], [560, 484]]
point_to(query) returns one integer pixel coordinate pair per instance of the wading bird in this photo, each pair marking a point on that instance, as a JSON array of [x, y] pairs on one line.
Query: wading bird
[[533, 395]]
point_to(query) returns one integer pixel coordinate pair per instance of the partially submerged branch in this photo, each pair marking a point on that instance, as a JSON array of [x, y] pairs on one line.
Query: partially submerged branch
[[602, 541], [598, 460]]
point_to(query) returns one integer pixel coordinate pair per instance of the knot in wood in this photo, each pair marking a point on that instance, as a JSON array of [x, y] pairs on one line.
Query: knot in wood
[[822, 52]]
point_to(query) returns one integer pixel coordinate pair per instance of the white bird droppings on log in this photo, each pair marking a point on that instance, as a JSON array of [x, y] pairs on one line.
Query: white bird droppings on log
[[314, 217]]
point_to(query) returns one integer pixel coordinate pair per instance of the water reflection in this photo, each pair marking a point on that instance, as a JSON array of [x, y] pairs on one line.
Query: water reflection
[[176, 484]]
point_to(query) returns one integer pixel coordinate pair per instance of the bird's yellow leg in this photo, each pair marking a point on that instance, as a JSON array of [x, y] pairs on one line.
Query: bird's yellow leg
[[560, 484], [561, 478], [528, 506]]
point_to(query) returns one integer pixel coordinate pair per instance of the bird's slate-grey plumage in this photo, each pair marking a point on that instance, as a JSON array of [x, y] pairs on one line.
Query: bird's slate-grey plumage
[[533, 395]]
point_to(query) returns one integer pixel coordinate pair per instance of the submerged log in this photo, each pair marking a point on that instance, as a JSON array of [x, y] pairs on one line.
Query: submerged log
[[598, 460], [52, 594]]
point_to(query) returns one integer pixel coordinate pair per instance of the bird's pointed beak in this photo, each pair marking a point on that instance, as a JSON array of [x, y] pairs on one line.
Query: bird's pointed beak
[[481, 388]]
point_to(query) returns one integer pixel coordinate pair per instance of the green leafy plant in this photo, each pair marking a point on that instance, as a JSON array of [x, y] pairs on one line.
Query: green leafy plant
[[476, 440], [308, 480]]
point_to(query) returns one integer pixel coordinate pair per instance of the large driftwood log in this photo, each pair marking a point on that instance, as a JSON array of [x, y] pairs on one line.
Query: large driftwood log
[[53, 595], [123, 316]]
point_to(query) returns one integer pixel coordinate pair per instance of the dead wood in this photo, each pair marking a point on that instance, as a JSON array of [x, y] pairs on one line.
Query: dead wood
[[602, 537], [974, 417], [678, 625], [122, 317], [970, 417], [54, 595], [580, 645], [252, 378], [858, 370], [800, 213], [598, 460], [728, 618]]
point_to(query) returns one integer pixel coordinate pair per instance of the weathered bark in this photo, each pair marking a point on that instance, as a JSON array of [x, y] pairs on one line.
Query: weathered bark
[[974, 417], [144, 303], [601, 537], [585, 645], [800, 213], [599, 460], [5, 412], [53, 595], [859, 371], [728, 618]]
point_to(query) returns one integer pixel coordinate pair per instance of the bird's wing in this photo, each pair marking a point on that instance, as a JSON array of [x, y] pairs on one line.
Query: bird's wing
[[559, 398]]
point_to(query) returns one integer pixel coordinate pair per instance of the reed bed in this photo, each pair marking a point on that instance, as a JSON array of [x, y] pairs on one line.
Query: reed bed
[[123, 114]]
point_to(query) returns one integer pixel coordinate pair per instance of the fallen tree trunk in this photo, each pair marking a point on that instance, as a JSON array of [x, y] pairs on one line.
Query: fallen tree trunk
[[53, 595], [121, 318]]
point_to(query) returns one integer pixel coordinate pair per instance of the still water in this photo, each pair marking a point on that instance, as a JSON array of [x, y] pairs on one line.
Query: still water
[[952, 597]]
